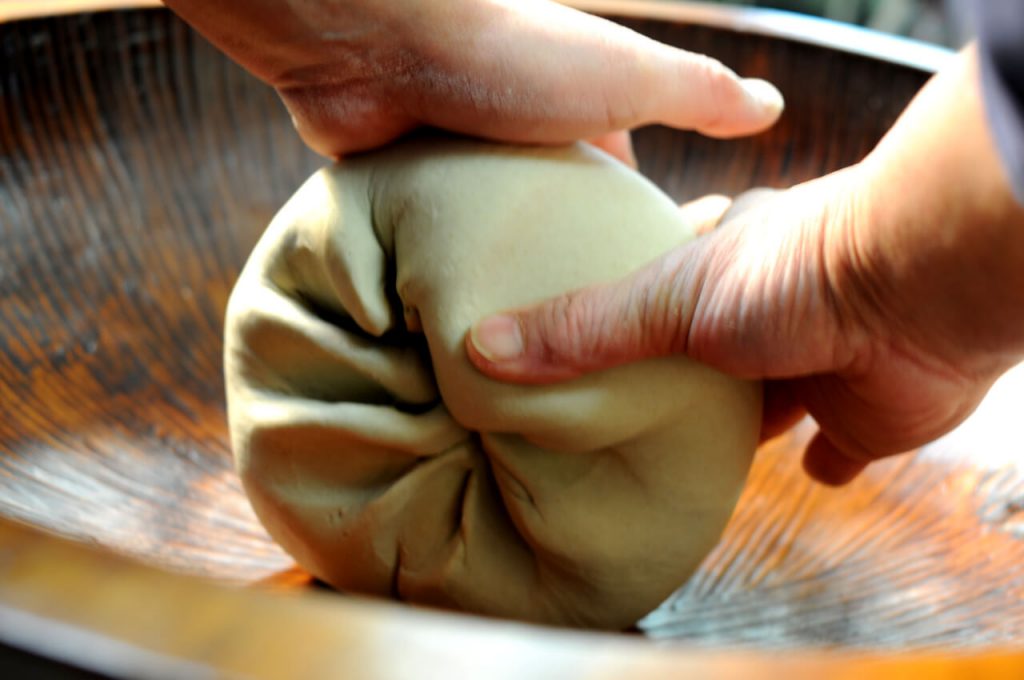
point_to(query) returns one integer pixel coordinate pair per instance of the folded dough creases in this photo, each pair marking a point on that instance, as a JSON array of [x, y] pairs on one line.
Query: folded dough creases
[[378, 457]]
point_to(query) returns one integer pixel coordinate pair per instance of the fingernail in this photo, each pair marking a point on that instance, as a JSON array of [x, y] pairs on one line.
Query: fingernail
[[498, 338], [764, 94]]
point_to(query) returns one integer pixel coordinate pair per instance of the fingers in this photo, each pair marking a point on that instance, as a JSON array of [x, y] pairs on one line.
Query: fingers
[[643, 315], [658, 83], [692, 300], [529, 71], [749, 200], [551, 74], [705, 213], [827, 464], [647, 314], [618, 144], [713, 100]]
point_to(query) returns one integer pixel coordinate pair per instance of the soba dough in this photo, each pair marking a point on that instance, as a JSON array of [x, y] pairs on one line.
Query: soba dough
[[385, 464]]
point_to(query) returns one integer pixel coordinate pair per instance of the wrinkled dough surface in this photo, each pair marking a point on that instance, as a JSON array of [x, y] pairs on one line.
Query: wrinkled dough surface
[[385, 464]]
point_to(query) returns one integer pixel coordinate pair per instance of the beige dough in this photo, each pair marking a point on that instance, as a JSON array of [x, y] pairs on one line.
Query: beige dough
[[385, 464]]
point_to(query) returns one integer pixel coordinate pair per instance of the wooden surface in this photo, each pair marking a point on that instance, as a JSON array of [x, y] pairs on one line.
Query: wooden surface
[[132, 622], [137, 168]]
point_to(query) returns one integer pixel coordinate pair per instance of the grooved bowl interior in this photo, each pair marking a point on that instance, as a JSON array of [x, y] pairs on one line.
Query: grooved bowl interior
[[138, 167]]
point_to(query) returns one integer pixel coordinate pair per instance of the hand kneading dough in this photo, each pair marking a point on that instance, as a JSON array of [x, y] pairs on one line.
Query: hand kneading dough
[[385, 464]]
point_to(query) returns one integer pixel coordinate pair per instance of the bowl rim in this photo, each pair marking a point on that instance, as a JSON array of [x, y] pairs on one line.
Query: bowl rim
[[773, 23], [80, 605]]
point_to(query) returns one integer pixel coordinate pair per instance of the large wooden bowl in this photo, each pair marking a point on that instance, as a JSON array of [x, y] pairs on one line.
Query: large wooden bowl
[[137, 168]]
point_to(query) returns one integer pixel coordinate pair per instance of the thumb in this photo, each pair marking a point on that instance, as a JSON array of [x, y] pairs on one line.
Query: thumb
[[646, 314], [753, 298]]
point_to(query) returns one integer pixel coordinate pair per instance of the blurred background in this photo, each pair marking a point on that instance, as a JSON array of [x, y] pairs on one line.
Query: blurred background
[[944, 22]]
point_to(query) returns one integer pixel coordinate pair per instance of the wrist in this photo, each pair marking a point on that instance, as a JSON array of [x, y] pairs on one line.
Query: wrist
[[942, 236]]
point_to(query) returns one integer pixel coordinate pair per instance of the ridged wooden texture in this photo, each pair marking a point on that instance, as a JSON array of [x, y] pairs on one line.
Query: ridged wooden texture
[[137, 169], [189, 628]]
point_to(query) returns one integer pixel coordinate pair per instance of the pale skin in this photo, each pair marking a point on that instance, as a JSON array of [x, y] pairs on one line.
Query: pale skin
[[884, 299]]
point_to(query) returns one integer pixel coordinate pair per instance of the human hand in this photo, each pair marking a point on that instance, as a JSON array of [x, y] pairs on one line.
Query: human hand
[[359, 73], [883, 299]]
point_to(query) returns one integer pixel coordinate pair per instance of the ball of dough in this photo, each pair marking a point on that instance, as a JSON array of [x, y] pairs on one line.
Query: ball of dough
[[378, 457]]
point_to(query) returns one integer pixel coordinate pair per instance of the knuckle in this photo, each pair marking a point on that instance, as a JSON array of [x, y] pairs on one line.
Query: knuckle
[[572, 328], [718, 87], [668, 296], [575, 326], [713, 72], [660, 317]]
